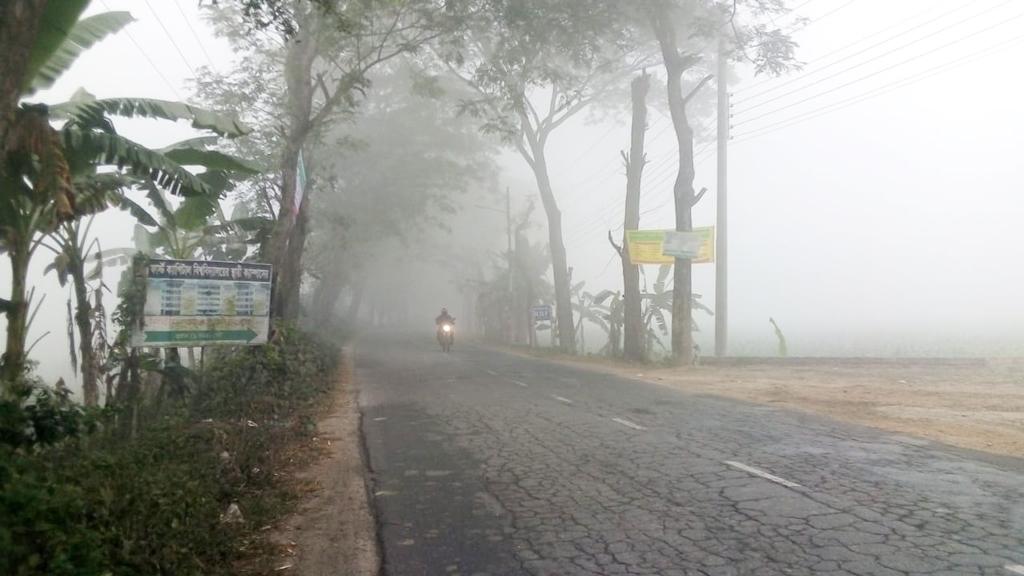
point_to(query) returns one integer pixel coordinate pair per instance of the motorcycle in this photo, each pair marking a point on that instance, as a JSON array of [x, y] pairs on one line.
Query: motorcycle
[[446, 336]]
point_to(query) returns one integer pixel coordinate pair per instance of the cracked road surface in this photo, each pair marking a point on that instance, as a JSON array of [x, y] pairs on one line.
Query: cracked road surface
[[489, 463]]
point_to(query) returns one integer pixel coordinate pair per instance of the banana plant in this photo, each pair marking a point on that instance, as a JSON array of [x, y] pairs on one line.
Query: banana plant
[[72, 246], [57, 175], [611, 315], [604, 310], [657, 305]]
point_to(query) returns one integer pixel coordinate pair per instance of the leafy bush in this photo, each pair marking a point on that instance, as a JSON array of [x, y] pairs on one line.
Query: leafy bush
[[268, 381], [75, 498]]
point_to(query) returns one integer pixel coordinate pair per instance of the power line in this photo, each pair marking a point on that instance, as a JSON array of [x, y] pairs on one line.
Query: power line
[[868, 61], [171, 38], [845, 58], [807, 22], [823, 16], [659, 174], [146, 56], [665, 164], [836, 106], [699, 156], [886, 69], [195, 35], [801, 5], [614, 167], [594, 144], [825, 56], [611, 209], [660, 168]]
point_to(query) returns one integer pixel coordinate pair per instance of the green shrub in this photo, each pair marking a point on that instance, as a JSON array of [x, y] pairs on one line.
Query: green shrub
[[266, 381], [77, 502]]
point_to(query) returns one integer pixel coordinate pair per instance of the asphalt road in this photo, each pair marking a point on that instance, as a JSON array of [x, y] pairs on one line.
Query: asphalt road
[[489, 463]]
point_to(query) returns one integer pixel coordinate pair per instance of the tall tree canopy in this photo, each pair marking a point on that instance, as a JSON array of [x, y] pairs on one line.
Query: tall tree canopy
[[533, 65]]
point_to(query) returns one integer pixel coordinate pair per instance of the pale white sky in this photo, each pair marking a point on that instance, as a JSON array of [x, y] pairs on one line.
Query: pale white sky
[[888, 225]]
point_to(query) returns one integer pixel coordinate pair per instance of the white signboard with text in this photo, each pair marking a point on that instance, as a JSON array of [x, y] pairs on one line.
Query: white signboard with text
[[203, 303]]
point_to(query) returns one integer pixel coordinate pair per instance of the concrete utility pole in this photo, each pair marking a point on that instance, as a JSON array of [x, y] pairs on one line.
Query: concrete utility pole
[[511, 285], [721, 225], [508, 231]]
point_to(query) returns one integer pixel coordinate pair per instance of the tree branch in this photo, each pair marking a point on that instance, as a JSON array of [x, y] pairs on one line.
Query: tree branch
[[698, 196], [323, 87], [569, 112], [533, 112], [615, 246], [692, 93], [521, 146], [553, 102]]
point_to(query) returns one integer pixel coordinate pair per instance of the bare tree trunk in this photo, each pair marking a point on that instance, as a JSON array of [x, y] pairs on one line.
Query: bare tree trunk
[[615, 331], [633, 322], [291, 289], [17, 309], [517, 309], [19, 25], [83, 319], [129, 393], [298, 77], [675, 65], [559, 264], [327, 292]]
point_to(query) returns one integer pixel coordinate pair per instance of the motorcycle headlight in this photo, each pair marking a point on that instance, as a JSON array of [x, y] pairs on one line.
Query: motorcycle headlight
[[446, 328]]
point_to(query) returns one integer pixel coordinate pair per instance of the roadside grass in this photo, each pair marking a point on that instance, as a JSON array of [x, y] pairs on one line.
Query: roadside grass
[[548, 353], [188, 494]]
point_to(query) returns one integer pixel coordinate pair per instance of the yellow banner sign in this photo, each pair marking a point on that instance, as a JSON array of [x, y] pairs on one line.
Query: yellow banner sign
[[645, 247], [664, 246]]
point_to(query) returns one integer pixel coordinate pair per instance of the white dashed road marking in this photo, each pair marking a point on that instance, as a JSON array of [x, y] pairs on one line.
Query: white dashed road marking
[[518, 383], [492, 372], [561, 399], [1015, 568], [762, 474], [628, 424]]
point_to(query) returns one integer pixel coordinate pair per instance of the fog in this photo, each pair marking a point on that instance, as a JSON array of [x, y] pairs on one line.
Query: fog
[[888, 226]]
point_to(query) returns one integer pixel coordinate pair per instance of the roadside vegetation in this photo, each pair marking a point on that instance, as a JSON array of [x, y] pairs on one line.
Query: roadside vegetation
[[183, 490], [174, 458]]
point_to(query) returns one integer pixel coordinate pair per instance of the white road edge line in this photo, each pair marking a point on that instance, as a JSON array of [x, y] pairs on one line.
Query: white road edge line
[[628, 424], [491, 372], [1015, 568], [518, 383], [762, 474], [561, 399]]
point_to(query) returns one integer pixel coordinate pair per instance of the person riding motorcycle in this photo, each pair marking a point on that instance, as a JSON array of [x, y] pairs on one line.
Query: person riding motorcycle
[[446, 318]]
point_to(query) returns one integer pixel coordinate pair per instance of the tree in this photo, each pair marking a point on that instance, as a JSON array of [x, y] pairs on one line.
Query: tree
[[405, 163], [73, 249], [329, 48], [52, 176], [684, 29], [783, 350], [533, 65], [633, 329], [659, 301], [31, 31], [604, 310]]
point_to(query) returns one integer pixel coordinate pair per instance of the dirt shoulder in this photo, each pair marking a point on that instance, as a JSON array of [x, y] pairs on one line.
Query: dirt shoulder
[[970, 403], [333, 532]]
